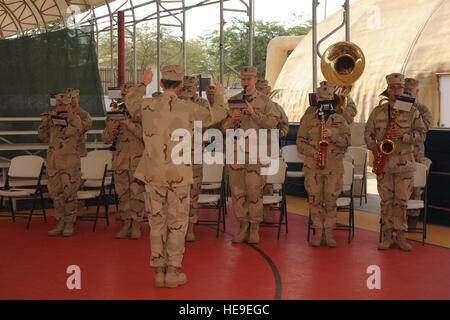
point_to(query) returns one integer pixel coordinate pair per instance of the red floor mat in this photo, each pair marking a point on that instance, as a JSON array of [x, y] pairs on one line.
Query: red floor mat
[[33, 265]]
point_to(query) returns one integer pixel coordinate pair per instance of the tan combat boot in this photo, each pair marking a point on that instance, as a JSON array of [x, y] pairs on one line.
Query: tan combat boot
[[125, 231], [135, 230], [240, 237], [317, 240], [401, 241], [254, 233], [387, 240], [174, 278], [160, 275], [331, 243], [68, 226], [190, 235], [58, 230]]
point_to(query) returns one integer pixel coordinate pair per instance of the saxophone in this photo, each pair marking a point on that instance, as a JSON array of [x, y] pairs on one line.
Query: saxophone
[[323, 144], [385, 148]]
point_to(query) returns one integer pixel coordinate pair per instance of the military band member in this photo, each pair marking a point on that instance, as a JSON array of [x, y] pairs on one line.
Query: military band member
[[246, 181], [129, 146], [323, 185], [210, 94], [168, 184], [283, 125], [85, 118], [395, 182], [412, 89], [63, 163]]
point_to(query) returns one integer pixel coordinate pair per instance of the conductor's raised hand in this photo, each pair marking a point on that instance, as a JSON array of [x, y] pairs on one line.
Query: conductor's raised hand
[[219, 90], [147, 77]]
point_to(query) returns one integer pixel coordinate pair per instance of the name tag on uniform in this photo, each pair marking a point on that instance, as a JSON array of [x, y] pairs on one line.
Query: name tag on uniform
[[404, 103], [59, 121], [116, 115]]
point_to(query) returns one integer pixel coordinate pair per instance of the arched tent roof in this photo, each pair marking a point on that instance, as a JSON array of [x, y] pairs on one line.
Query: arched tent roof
[[18, 16], [396, 36]]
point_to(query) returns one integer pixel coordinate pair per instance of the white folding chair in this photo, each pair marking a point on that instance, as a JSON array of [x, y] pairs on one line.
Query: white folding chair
[[290, 154], [94, 169], [277, 201], [360, 155], [212, 176], [24, 171], [420, 181]]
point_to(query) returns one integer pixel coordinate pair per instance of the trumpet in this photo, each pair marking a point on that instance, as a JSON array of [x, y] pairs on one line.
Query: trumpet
[[323, 144]]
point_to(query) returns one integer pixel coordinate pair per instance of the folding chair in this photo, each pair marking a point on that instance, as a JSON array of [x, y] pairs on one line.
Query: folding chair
[[277, 201], [21, 170], [109, 179], [359, 155], [212, 176], [94, 169], [343, 203], [420, 181]]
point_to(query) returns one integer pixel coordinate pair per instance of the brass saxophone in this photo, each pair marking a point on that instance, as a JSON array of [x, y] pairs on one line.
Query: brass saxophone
[[385, 148], [323, 145]]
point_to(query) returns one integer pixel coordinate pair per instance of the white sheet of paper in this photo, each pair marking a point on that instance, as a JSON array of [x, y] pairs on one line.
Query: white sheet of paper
[[402, 105]]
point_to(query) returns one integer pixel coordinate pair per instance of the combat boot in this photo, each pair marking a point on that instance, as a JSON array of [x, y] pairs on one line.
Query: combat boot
[[240, 237], [58, 230], [254, 233], [190, 235], [401, 241], [68, 229], [135, 230], [160, 275], [174, 278], [317, 240], [412, 222], [125, 231], [331, 243], [387, 240]]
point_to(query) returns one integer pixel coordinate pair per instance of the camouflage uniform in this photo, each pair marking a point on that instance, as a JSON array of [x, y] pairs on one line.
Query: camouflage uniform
[[419, 148], [168, 184], [86, 122], [395, 183], [190, 84], [129, 149], [283, 127], [323, 185], [246, 182], [63, 166]]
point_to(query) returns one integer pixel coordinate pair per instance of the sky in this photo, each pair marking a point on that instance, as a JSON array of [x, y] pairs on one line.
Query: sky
[[199, 20]]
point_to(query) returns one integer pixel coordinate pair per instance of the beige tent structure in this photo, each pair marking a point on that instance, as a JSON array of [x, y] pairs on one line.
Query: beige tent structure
[[412, 37]]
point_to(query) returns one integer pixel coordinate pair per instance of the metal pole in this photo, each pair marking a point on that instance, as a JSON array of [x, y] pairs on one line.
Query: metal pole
[[221, 53], [347, 20], [183, 29], [250, 33], [121, 47], [314, 43]]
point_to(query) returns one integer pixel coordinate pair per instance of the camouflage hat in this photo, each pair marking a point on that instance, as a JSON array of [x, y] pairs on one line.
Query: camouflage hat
[[126, 86], [73, 92], [156, 94], [210, 90], [248, 72], [261, 83], [395, 78], [326, 90], [63, 98], [172, 72], [190, 81], [186, 92], [411, 83]]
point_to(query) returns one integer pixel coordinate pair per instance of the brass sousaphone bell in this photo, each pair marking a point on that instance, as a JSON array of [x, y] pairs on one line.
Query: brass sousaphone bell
[[342, 64]]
